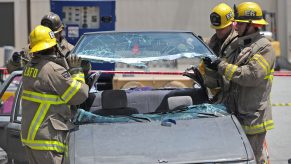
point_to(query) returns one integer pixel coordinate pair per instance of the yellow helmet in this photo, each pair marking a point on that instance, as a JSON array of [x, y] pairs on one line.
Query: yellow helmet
[[249, 12], [221, 16], [41, 38]]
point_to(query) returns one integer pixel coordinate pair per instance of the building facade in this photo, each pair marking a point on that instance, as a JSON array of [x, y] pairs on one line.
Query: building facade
[[185, 15]]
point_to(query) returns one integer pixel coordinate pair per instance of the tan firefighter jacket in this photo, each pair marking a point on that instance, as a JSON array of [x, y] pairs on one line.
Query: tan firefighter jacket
[[64, 47], [225, 51], [48, 91], [250, 83]]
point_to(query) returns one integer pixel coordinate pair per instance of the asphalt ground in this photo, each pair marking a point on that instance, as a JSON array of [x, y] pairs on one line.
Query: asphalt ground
[[279, 138]]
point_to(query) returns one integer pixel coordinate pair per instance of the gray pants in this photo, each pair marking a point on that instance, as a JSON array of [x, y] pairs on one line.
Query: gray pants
[[43, 156], [257, 143]]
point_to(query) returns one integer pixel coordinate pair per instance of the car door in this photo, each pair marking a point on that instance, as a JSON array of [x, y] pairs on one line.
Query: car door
[[7, 94], [11, 118]]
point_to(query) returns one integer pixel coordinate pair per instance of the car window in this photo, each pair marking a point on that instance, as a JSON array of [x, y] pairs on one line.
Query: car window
[[140, 47], [8, 97]]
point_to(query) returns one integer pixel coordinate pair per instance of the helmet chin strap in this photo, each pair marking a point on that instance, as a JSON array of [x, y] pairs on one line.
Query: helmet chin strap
[[246, 29], [228, 33]]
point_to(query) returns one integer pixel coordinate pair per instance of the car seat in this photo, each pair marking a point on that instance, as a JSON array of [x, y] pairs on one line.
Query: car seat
[[114, 102]]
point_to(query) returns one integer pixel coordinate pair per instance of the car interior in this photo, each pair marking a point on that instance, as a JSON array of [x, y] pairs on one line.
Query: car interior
[[137, 101], [144, 100]]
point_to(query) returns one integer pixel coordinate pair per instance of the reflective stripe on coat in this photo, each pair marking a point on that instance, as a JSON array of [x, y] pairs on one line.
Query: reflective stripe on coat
[[48, 92], [226, 52], [251, 80]]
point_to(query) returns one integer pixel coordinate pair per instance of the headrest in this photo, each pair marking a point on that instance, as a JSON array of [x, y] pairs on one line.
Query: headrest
[[179, 101], [112, 99]]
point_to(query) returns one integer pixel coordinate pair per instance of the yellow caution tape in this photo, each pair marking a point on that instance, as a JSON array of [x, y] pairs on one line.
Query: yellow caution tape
[[281, 104]]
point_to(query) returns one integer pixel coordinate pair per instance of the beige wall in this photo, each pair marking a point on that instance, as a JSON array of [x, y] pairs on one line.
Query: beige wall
[[189, 15], [284, 29], [38, 9], [19, 21]]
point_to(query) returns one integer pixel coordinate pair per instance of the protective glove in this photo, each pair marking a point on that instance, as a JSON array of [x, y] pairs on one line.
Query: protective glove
[[207, 61], [92, 79], [212, 65], [74, 63], [86, 66], [16, 57]]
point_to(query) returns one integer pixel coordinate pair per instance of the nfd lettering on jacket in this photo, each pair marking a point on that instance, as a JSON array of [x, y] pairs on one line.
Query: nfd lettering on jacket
[[30, 72]]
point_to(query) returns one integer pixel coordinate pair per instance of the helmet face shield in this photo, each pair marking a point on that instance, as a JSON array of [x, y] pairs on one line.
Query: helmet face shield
[[215, 19]]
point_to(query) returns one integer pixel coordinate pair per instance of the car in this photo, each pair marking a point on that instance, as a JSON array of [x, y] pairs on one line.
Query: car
[[141, 124], [138, 126]]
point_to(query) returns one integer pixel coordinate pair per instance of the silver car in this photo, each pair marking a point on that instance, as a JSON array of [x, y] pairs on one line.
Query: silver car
[[142, 124]]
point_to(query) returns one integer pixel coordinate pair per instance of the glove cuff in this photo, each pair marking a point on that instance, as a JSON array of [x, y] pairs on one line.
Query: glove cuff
[[75, 70]]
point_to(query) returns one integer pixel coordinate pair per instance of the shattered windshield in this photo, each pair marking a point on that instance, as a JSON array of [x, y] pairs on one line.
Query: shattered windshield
[[139, 47]]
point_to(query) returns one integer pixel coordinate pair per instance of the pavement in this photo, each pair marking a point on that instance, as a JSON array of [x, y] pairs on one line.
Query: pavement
[[279, 139]]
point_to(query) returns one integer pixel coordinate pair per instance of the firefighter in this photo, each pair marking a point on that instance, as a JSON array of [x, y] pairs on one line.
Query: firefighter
[[223, 43], [52, 21], [18, 60], [48, 90], [250, 76]]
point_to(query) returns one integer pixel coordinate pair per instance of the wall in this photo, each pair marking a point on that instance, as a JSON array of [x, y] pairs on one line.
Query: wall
[[20, 26], [284, 28], [38, 9], [7, 33], [188, 15]]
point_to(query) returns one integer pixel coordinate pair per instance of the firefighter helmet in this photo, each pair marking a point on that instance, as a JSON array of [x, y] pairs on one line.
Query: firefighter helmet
[[41, 38], [249, 12], [221, 16], [52, 21]]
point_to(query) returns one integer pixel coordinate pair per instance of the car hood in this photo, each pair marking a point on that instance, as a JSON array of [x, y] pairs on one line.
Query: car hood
[[188, 141]]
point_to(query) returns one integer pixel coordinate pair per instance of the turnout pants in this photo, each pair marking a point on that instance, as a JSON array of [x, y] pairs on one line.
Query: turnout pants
[[257, 142], [43, 156]]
